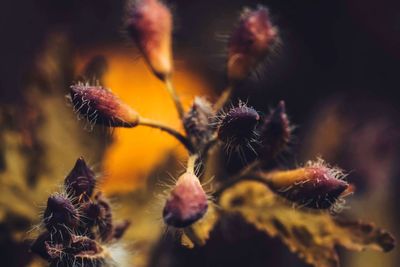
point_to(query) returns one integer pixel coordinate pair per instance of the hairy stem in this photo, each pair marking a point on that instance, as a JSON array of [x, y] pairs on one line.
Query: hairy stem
[[158, 125]]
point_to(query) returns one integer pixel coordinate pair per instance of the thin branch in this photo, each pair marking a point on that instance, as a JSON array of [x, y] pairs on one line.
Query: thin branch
[[181, 138], [175, 97], [244, 175], [223, 98]]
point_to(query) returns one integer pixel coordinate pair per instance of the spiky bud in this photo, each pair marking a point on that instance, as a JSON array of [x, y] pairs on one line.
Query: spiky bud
[[99, 105], [186, 203], [60, 214], [81, 181], [237, 126], [250, 42], [82, 250], [149, 23], [197, 121], [316, 185], [275, 132]]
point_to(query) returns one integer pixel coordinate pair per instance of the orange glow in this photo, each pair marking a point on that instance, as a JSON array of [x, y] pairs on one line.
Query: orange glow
[[130, 159]]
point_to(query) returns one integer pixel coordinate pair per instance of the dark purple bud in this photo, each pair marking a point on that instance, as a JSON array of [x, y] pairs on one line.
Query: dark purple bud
[[60, 214], [105, 218], [237, 126], [197, 121], [82, 250], [275, 132], [90, 214], [99, 105], [187, 202], [81, 181]]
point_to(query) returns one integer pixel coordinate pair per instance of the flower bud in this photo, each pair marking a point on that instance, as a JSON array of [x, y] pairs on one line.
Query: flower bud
[[315, 186], [237, 126], [149, 22], [82, 250], [104, 222], [275, 132], [81, 180], [250, 42], [100, 106], [197, 121], [186, 203], [60, 214]]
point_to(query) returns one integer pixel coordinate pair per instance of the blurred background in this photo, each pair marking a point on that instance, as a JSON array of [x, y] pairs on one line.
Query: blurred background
[[337, 69]]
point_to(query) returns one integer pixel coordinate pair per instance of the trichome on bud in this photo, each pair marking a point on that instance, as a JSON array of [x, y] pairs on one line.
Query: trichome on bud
[[316, 185], [237, 127], [99, 105], [197, 121], [186, 203], [250, 42], [81, 181]]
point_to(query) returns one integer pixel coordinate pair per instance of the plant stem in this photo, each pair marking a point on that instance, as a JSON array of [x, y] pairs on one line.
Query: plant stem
[[158, 125], [175, 97], [192, 163], [223, 98], [243, 175]]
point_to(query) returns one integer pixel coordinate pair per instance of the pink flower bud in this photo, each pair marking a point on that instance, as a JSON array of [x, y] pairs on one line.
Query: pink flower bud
[[186, 203], [250, 42], [149, 23], [100, 106], [315, 186]]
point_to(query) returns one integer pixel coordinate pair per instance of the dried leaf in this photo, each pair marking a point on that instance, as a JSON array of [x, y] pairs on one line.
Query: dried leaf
[[198, 233], [312, 235]]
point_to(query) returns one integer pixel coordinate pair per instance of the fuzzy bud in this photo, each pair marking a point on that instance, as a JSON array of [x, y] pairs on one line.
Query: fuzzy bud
[[316, 186], [250, 42], [100, 106], [81, 180], [237, 126], [60, 213], [82, 250], [149, 23], [275, 132], [187, 202], [197, 121]]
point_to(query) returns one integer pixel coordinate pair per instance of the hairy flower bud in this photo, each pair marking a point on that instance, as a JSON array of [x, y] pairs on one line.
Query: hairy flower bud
[[237, 126], [60, 214], [81, 180], [149, 22], [315, 186], [82, 250], [197, 121], [250, 42], [186, 203], [275, 132], [100, 106]]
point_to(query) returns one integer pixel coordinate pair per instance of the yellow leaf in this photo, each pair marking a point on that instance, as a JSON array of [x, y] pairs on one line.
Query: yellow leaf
[[312, 235]]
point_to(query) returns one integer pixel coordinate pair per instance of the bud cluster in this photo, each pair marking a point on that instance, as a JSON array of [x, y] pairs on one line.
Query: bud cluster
[[78, 223]]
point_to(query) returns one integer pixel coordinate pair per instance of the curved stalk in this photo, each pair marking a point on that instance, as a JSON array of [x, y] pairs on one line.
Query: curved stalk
[[175, 97], [181, 138]]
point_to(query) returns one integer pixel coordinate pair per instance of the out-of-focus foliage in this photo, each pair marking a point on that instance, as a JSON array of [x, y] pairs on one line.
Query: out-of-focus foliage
[[312, 235]]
